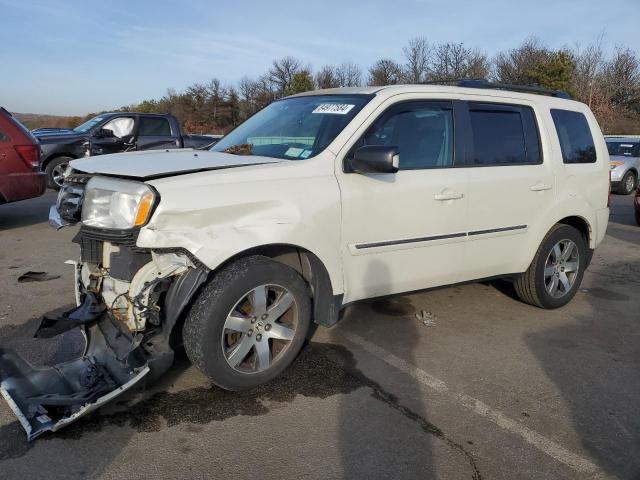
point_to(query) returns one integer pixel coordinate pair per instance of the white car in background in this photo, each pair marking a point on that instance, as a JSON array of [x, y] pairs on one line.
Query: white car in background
[[319, 200], [624, 153]]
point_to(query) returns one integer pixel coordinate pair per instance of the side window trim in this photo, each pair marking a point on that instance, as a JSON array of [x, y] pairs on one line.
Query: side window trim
[[465, 109], [457, 161]]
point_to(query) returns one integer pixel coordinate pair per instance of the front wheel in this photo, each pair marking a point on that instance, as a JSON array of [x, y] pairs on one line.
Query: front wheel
[[628, 184], [55, 172], [249, 323], [555, 274]]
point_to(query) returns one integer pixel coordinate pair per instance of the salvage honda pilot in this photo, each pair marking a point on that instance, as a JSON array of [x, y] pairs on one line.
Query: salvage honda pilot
[[319, 200]]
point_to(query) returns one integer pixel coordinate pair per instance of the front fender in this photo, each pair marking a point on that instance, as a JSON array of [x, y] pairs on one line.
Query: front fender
[[215, 227]]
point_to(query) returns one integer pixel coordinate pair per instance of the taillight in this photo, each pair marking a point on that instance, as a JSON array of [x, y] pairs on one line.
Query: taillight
[[30, 155], [609, 195]]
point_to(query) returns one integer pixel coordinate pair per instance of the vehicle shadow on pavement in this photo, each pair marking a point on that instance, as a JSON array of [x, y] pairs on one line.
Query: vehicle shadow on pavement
[[372, 441], [595, 365]]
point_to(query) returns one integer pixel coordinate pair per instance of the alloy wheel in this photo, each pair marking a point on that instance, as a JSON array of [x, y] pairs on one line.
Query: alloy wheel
[[561, 268], [259, 328], [58, 173]]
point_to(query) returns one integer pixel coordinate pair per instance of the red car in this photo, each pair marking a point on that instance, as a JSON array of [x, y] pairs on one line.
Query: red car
[[20, 176]]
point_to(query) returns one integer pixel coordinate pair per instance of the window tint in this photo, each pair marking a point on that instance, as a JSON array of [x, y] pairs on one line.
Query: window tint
[[121, 126], [623, 149], [154, 127], [575, 137], [503, 135], [422, 131]]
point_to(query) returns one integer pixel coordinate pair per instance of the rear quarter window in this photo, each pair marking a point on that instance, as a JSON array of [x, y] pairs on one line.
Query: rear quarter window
[[574, 134]]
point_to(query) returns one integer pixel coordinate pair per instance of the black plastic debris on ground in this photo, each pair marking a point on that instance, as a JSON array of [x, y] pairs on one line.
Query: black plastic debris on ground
[[36, 277]]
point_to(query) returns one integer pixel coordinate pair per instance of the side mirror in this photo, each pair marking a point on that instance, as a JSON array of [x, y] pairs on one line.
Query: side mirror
[[104, 133], [374, 159]]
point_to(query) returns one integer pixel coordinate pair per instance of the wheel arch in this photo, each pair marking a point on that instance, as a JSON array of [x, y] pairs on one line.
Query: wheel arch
[[326, 305], [53, 156]]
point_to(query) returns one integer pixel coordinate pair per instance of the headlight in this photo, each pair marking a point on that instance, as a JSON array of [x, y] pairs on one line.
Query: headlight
[[120, 204], [615, 163]]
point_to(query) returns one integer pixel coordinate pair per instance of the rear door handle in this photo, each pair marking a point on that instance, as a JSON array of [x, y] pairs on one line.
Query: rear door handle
[[441, 197], [540, 187]]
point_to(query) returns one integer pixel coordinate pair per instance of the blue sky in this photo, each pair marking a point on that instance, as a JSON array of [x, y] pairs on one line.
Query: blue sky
[[74, 57]]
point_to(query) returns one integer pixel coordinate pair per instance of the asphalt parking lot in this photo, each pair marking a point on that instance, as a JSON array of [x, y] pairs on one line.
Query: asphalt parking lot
[[459, 382]]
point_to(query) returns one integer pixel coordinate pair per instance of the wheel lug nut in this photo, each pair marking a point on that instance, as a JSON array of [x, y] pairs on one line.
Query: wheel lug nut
[[264, 316], [258, 337], [253, 319], [249, 333], [267, 327]]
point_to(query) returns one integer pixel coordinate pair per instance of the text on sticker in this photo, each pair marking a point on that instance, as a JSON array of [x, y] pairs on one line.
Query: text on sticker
[[336, 108]]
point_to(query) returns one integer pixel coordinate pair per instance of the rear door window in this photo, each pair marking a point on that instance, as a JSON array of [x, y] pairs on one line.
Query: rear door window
[[575, 137], [154, 127], [503, 135]]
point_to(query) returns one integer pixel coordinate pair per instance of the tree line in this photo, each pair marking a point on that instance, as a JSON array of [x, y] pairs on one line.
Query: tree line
[[608, 83]]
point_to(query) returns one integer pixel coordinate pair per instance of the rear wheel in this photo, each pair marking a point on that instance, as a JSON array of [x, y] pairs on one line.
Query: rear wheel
[[55, 172], [628, 183], [556, 271], [249, 323]]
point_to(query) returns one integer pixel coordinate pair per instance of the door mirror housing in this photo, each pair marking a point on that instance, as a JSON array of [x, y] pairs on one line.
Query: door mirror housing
[[104, 133], [374, 159]]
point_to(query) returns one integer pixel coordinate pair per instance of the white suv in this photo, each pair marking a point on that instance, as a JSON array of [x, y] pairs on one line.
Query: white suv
[[320, 200]]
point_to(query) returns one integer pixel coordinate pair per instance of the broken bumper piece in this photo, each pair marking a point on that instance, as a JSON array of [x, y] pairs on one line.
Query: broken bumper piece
[[49, 398]]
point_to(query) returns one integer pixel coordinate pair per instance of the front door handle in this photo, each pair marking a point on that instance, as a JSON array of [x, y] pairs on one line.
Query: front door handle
[[540, 187], [441, 197]]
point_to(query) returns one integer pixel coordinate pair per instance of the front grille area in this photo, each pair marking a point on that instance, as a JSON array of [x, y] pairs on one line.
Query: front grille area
[[90, 240]]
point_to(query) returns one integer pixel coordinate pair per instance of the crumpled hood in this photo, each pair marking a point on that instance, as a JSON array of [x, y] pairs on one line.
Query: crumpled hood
[[164, 163]]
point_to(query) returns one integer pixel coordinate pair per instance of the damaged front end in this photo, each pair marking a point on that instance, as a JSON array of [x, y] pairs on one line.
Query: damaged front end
[[128, 301]]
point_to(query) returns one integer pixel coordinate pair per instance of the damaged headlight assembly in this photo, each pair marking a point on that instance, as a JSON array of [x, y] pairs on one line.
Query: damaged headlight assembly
[[117, 204]]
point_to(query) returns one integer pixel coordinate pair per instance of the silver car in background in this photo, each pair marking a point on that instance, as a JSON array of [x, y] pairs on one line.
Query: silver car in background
[[624, 154]]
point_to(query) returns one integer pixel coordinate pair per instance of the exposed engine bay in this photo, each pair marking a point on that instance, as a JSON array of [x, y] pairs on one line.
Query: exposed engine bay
[[128, 301]]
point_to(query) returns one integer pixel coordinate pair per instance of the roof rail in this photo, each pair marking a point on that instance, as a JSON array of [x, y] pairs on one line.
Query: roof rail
[[484, 83]]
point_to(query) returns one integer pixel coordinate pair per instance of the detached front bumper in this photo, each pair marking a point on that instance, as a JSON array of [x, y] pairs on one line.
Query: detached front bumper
[[128, 301], [48, 398]]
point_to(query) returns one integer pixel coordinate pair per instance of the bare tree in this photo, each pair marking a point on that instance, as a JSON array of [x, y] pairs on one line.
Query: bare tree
[[327, 77], [453, 61], [348, 74], [417, 57], [282, 71], [622, 77], [385, 72]]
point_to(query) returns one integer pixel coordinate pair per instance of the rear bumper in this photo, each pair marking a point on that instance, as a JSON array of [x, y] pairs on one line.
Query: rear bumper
[[21, 186]]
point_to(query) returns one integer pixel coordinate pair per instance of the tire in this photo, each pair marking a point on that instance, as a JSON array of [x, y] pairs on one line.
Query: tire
[[535, 288], [54, 169], [628, 183], [212, 343]]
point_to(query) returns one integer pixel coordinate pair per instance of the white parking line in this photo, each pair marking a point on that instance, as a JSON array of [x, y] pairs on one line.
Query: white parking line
[[542, 443]]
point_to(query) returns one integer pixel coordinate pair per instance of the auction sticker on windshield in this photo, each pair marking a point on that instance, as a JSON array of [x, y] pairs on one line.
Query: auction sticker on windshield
[[335, 108]]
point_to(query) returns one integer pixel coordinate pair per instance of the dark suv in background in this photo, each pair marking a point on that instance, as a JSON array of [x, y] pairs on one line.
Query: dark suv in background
[[112, 133], [20, 176]]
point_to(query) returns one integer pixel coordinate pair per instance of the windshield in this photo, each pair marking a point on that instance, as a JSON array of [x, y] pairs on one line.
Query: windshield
[[626, 149], [88, 125], [294, 128]]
